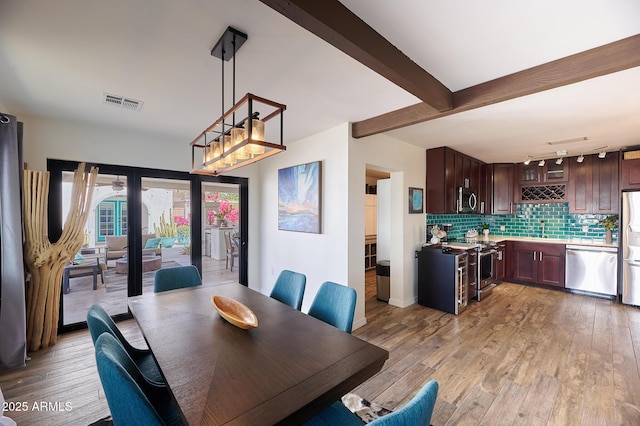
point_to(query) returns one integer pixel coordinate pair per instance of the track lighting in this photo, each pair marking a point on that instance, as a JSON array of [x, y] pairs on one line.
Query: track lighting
[[541, 163], [602, 154], [580, 158], [559, 161], [527, 161]]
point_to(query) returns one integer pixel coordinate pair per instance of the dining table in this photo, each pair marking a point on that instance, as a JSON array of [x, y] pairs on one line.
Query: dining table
[[285, 370]]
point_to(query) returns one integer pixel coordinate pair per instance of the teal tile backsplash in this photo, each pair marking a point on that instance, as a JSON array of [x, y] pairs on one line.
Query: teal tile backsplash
[[558, 223]]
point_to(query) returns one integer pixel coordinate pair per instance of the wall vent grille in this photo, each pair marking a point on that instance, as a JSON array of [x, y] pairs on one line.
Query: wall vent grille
[[122, 102]]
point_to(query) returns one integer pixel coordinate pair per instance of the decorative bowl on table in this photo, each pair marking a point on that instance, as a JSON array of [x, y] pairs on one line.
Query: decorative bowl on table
[[234, 312]]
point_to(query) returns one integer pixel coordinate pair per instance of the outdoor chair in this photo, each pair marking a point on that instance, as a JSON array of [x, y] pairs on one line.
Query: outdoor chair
[[335, 304], [176, 277], [100, 322], [289, 288], [132, 399], [416, 413]]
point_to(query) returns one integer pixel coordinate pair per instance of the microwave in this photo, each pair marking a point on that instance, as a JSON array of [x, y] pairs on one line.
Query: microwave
[[467, 200]]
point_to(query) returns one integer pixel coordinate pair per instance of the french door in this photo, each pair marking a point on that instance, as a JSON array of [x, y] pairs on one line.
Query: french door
[[140, 220]]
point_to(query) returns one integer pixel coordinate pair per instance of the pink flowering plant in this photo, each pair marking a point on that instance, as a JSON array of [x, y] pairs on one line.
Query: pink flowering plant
[[182, 225], [225, 213]]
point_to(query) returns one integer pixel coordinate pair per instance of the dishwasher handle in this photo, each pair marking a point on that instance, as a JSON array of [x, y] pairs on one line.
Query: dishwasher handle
[[592, 248]]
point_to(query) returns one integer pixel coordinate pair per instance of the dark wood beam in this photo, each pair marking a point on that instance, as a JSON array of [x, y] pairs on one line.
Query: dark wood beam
[[337, 25], [607, 59]]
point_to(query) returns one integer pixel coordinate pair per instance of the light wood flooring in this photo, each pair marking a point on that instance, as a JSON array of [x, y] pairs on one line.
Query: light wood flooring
[[525, 355]]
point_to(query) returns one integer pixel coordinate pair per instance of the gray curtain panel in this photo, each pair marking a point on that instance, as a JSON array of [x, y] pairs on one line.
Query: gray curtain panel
[[13, 330]]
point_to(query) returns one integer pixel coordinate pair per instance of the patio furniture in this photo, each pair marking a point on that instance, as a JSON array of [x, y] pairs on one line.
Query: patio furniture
[[116, 246], [150, 262], [83, 270]]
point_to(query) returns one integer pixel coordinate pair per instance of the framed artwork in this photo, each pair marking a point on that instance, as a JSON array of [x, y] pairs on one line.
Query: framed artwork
[[415, 200], [299, 194]]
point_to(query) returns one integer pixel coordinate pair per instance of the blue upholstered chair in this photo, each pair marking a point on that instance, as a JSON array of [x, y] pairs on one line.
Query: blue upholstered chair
[[334, 304], [416, 413], [176, 277], [100, 322], [132, 399], [289, 288]]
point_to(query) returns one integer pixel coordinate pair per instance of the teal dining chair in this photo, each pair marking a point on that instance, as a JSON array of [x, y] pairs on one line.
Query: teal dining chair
[[289, 288], [176, 277], [100, 322], [334, 304], [132, 399], [417, 412]]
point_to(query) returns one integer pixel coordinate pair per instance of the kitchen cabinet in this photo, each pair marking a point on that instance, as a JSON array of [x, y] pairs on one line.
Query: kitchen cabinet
[[549, 174], [447, 170], [500, 188], [630, 170], [593, 187], [539, 263], [370, 252]]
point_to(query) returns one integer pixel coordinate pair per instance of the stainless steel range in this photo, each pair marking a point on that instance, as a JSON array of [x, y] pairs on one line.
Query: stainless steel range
[[486, 276]]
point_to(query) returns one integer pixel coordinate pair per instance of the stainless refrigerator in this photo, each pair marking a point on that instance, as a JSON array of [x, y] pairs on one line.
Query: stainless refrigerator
[[630, 233]]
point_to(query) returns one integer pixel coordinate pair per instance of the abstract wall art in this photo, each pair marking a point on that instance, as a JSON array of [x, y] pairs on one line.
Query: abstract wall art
[[299, 196]]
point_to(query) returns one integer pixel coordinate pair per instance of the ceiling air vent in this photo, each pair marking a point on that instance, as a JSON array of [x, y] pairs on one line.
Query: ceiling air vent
[[123, 102]]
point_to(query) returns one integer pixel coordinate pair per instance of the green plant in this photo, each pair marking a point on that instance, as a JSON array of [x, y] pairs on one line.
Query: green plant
[[485, 226], [166, 229], [609, 222]]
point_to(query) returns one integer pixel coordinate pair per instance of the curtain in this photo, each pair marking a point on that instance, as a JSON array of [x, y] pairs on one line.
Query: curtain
[[13, 334]]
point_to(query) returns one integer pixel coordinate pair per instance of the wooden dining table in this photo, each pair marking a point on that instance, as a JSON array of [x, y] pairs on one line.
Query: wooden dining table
[[288, 368]]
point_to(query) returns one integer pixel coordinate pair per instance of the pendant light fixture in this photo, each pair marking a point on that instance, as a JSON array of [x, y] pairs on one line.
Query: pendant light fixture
[[237, 138]]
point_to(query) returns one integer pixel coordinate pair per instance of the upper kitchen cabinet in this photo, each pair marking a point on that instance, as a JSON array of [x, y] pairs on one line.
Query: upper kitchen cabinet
[[630, 170], [550, 173], [500, 188], [593, 187], [447, 170]]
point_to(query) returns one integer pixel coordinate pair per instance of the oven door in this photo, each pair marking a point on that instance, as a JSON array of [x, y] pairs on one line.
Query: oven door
[[486, 273]]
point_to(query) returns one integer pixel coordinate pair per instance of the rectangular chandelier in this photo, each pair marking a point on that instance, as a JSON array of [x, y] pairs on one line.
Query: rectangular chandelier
[[227, 145], [230, 143]]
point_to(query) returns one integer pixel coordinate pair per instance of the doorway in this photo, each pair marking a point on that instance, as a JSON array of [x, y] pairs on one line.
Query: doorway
[[375, 252]]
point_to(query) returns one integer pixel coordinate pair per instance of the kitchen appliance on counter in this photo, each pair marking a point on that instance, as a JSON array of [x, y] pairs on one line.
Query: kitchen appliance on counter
[[442, 279], [592, 269], [629, 234]]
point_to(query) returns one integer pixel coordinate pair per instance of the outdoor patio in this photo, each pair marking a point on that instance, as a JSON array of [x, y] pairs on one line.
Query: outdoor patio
[[112, 295]]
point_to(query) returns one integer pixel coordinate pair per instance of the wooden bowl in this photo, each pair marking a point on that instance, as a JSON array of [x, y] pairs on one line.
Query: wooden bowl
[[234, 312]]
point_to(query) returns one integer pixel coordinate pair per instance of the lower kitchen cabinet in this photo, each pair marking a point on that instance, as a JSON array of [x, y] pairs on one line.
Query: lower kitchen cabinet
[[539, 263]]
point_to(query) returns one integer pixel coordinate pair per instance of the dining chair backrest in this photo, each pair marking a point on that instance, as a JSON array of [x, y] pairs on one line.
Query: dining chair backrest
[[289, 288], [100, 322], [128, 393], [417, 412], [334, 304], [176, 277]]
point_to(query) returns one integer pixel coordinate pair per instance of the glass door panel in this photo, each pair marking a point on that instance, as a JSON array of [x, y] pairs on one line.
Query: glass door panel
[[95, 275], [166, 226], [220, 219]]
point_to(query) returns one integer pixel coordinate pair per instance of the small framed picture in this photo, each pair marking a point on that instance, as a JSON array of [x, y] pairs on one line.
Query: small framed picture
[[415, 200]]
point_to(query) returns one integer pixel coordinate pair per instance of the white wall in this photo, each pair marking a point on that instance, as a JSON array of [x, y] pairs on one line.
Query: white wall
[[383, 243], [407, 165], [321, 257], [67, 140]]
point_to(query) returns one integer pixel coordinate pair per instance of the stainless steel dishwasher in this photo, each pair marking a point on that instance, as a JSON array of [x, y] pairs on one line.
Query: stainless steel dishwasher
[[592, 269]]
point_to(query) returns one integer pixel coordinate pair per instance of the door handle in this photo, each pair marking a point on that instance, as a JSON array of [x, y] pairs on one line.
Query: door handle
[[540, 256], [534, 255]]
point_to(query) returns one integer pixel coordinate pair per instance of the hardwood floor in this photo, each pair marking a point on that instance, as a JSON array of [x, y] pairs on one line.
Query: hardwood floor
[[525, 355]]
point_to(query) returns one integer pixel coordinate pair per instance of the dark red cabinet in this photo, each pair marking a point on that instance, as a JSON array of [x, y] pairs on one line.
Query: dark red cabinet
[[593, 187], [539, 263]]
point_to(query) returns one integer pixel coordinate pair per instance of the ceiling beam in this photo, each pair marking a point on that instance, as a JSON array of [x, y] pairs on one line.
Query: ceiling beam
[[337, 25], [607, 59]]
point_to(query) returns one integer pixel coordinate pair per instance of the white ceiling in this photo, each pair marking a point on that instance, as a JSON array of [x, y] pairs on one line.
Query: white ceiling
[[57, 58]]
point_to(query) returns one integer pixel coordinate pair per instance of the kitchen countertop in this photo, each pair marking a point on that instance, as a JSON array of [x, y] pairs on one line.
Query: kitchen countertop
[[573, 241]]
